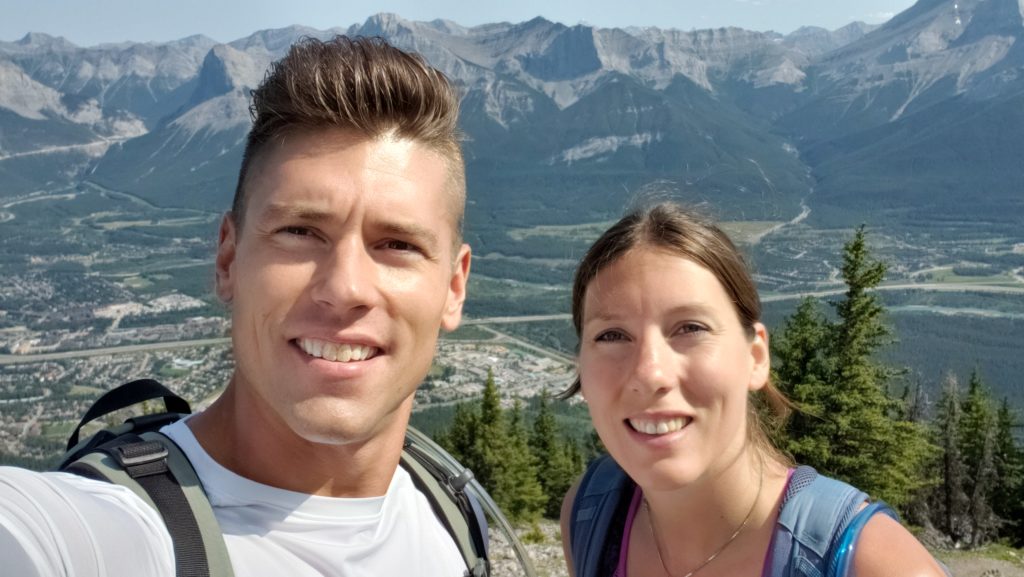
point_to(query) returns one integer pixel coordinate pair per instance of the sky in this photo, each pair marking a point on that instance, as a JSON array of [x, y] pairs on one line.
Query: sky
[[90, 22]]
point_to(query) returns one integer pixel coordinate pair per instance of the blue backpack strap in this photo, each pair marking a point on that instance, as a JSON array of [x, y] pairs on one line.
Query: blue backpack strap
[[600, 497], [815, 511], [843, 555]]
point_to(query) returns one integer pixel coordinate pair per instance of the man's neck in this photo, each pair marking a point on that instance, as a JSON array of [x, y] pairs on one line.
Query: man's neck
[[262, 448]]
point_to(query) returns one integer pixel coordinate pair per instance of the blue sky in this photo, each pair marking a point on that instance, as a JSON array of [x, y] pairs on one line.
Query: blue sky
[[89, 22]]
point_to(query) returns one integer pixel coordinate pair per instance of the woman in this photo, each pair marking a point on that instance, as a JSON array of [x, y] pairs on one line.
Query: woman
[[671, 350]]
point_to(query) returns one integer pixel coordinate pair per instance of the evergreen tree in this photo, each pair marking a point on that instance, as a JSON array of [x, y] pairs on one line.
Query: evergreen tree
[[978, 418], [854, 430], [1008, 498], [516, 488], [977, 441], [556, 465], [951, 501], [461, 437], [801, 373], [491, 436], [984, 522]]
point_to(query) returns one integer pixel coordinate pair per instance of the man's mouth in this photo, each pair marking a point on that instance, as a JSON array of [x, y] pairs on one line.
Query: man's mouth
[[658, 426], [336, 352]]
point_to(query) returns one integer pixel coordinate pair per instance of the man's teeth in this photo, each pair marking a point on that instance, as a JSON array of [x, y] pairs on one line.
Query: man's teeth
[[336, 352], [658, 427]]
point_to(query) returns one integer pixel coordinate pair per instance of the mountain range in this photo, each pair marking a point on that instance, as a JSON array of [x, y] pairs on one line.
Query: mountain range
[[915, 123]]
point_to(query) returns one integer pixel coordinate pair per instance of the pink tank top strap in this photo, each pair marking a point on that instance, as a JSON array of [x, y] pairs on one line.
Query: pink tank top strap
[[634, 506]]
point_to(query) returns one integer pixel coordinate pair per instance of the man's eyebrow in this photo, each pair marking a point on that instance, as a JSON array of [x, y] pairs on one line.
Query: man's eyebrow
[[274, 212], [304, 212], [411, 230]]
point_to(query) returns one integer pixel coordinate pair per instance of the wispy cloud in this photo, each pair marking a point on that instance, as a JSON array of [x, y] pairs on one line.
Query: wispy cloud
[[879, 16]]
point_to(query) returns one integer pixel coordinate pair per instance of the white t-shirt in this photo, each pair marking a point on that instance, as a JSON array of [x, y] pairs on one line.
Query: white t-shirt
[[56, 524]]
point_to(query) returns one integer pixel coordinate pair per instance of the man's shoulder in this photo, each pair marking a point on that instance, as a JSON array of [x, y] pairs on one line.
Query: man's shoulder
[[60, 519]]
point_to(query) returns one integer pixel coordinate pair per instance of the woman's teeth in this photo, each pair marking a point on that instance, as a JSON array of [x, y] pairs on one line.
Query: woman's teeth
[[335, 352], [658, 426]]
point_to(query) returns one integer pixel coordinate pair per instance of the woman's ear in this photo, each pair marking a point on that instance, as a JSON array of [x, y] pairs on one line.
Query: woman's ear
[[761, 358]]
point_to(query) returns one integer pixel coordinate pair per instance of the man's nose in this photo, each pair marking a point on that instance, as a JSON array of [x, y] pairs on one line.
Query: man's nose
[[346, 278]]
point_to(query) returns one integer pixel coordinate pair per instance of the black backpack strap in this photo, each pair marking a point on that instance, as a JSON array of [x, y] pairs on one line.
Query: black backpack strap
[[127, 395], [154, 468], [598, 516]]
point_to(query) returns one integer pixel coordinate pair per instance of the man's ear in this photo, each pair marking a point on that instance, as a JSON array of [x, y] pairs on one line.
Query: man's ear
[[226, 259], [456, 290], [761, 358]]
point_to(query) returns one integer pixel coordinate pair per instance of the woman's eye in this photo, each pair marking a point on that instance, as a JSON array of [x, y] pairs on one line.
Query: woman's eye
[[610, 337], [691, 328]]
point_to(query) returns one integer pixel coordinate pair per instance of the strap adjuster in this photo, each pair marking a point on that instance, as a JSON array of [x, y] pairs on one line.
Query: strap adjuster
[[136, 454]]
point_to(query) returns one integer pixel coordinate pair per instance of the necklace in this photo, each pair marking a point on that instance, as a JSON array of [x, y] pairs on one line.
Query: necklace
[[657, 545]]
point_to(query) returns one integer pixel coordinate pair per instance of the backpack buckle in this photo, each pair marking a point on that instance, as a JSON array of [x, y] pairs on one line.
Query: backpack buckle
[[140, 459]]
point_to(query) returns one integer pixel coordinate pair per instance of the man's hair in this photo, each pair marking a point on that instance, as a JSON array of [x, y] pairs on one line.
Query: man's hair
[[363, 85]]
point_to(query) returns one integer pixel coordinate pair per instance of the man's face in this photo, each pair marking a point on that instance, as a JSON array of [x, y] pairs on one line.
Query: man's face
[[342, 274]]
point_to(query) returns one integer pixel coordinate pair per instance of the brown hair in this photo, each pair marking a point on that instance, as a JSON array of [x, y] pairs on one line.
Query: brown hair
[[682, 232], [360, 84]]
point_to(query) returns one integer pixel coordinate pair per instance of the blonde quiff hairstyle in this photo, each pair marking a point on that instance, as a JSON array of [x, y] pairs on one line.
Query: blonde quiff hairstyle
[[364, 85], [669, 227]]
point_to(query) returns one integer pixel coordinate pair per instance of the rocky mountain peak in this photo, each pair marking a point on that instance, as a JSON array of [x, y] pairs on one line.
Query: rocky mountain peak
[[386, 24], [226, 69], [45, 41]]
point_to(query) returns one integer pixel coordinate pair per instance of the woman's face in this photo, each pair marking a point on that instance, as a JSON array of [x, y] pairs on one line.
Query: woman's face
[[665, 368]]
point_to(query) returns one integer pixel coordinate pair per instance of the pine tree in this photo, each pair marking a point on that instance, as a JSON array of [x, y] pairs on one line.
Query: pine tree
[[461, 437], [516, 488], [977, 441], [556, 466], [1008, 498], [801, 374], [984, 521], [854, 430], [491, 436], [951, 501]]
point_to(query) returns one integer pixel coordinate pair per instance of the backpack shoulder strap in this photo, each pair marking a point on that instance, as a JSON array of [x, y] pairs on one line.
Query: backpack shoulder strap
[[600, 497], [156, 470], [459, 512], [842, 557], [815, 512]]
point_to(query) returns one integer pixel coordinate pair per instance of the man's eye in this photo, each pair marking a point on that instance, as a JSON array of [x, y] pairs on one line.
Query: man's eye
[[297, 231], [400, 245]]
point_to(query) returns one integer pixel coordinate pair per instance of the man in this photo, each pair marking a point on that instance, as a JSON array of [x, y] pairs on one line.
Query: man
[[341, 260]]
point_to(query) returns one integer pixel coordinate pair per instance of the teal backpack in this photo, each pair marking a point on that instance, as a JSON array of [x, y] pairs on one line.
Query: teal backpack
[[135, 455], [815, 535]]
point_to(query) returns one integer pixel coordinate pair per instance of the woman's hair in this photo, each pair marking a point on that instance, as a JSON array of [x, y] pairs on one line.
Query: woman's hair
[[670, 227]]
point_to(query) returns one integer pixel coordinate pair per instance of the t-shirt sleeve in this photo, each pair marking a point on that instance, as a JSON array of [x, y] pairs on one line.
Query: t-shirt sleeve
[[58, 524]]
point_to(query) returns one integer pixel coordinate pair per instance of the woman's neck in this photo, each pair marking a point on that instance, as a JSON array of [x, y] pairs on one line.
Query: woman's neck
[[728, 514]]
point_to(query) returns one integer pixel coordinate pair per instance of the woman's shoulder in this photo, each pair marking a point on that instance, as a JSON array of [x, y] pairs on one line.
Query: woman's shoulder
[[882, 547], [885, 547]]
